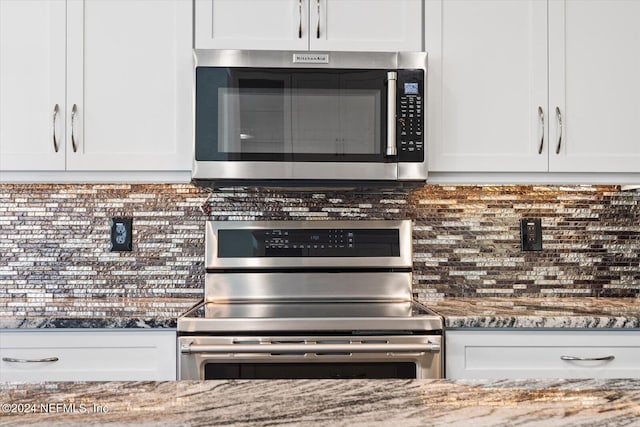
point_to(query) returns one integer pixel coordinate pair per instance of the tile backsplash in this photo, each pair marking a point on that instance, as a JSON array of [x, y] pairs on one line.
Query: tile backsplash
[[54, 239]]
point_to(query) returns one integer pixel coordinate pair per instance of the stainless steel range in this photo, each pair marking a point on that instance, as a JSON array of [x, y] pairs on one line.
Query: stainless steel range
[[309, 299]]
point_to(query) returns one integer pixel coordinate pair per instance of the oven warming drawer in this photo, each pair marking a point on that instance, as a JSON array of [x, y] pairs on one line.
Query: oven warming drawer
[[303, 357]]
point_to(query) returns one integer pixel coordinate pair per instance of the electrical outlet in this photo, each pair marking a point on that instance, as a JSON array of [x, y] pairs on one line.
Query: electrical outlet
[[531, 234], [121, 234]]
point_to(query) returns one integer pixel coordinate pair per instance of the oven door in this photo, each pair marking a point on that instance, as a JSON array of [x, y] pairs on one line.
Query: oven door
[[300, 357]]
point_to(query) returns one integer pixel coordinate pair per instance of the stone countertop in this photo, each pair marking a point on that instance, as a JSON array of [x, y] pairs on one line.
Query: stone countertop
[[490, 312], [325, 402], [111, 312], [527, 312]]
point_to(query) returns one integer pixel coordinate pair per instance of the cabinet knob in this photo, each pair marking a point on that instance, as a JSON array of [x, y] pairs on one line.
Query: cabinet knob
[[56, 146], [299, 19], [590, 359], [541, 117], [74, 111], [46, 359], [559, 115], [318, 27]]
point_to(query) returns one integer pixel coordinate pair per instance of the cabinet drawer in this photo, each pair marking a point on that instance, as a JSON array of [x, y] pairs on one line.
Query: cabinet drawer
[[543, 354], [87, 355]]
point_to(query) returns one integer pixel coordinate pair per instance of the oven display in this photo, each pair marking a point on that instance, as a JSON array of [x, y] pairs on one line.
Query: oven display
[[308, 243]]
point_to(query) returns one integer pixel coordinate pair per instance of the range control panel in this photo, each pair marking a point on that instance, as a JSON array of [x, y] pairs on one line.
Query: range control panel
[[410, 116], [308, 243]]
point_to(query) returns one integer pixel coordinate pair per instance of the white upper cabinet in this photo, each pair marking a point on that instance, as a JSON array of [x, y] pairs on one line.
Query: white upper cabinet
[[594, 69], [32, 85], [366, 25], [120, 74], [252, 24], [337, 25], [129, 77], [500, 102], [487, 85]]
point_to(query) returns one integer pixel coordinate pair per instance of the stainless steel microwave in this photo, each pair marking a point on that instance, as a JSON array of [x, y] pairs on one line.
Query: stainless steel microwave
[[309, 117]]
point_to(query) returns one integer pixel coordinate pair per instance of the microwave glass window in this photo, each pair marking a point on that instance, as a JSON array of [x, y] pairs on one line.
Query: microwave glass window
[[253, 121], [290, 114]]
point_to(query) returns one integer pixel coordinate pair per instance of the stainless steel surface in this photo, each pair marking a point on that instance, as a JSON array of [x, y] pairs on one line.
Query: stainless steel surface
[[559, 115], [276, 286], [211, 242], [302, 317], [74, 111], [299, 19], [283, 59], [56, 108], [309, 348], [46, 359], [330, 171], [589, 359], [298, 170], [309, 310], [412, 171], [422, 350], [541, 117], [318, 26], [392, 81]]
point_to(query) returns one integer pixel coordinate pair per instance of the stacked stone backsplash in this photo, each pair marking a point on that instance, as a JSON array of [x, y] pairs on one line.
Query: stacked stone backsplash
[[54, 239]]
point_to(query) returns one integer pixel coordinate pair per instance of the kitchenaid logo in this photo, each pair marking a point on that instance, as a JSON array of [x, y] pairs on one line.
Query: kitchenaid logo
[[311, 58]]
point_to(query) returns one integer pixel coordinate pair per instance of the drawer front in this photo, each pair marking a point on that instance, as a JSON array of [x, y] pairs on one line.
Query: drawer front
[[87, 355], [542, 354]]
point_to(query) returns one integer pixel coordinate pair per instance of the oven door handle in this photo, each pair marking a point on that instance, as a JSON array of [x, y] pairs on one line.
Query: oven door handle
[[309, 348]]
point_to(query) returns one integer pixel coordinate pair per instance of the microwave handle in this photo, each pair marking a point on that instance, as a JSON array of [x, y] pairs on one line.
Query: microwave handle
[[392, 79]]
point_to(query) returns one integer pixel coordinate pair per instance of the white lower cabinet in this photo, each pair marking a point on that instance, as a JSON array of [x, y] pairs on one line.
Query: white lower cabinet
[[87, 355], [542, 354]]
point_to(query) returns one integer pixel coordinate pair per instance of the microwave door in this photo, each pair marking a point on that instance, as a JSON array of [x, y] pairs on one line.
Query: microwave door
[[243, 114], [337, 116]]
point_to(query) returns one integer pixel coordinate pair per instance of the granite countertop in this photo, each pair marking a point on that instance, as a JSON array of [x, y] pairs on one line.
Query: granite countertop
[[527, 312], [489, 312], [111, 312], [325, 402]]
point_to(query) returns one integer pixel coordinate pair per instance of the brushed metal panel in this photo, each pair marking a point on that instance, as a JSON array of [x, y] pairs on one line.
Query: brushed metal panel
[[258, 287]]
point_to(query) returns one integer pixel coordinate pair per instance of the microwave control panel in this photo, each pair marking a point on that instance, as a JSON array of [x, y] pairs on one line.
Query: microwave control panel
[[410, 115]]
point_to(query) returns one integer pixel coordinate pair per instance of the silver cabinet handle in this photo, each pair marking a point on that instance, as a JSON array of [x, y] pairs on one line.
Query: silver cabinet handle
[[308, 348], [392, 80], [318, 27], [587, 358], [559, 115], [299, 19], [56, 108], [46, 359], [541, 117], [74, 111]]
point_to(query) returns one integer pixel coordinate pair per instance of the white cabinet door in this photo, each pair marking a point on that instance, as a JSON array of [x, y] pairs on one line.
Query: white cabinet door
[[542, 354], [487, 85], [252, 24], [87, 355], [32, 83], [594, 69], [129, 75], [365, 25], [338, 25]]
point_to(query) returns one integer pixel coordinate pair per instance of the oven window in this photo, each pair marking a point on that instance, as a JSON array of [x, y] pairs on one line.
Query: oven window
[[290, 114], [273, 371]]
